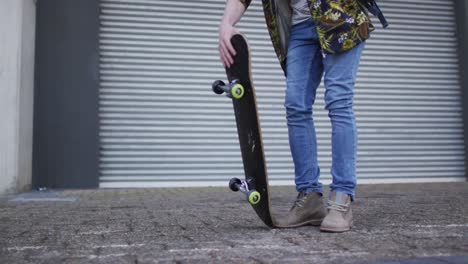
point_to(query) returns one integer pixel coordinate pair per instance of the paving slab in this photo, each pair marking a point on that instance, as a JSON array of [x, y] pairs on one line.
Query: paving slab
[[393, 223]]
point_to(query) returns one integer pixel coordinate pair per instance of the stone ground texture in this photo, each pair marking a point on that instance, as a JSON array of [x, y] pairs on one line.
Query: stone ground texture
[[393, 222]]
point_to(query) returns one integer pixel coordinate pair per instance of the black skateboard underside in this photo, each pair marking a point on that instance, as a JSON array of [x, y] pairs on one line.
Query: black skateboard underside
[[248, 128]]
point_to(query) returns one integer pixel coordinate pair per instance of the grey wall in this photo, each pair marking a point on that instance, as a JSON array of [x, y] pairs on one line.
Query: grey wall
[[461, 13], [17, 32], [66, 94]]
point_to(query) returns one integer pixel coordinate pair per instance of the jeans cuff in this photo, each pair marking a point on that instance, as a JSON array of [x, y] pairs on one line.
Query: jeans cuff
[[351, 194], [311, 190]]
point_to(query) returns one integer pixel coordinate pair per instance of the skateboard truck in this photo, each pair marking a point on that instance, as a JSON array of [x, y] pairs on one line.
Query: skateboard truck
[[236, 185], [233, 90]]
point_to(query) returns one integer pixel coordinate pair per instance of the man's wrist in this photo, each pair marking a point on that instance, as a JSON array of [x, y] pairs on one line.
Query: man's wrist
[[226, 23]]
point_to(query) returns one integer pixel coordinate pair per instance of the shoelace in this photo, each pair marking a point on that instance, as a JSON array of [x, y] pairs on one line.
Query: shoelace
[[300, 200], [332, 205]]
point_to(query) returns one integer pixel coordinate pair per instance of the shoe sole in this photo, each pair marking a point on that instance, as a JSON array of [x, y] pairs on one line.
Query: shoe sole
[[311, 222], [334, 230]]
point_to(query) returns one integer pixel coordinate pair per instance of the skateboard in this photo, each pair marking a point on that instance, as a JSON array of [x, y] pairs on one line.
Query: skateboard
[[241, 90]]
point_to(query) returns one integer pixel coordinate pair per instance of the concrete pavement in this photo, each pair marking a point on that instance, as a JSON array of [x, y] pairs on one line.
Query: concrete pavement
[[394, 223]]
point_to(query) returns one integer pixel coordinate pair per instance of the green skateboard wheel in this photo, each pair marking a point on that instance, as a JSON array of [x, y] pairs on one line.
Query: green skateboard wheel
[[254, 197], [237, 91]]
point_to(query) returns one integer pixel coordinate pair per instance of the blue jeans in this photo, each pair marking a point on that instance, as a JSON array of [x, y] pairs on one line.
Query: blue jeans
[[305, 67]]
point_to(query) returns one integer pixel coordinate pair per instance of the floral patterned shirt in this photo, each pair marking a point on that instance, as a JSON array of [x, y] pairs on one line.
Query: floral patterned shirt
[[340, 24]]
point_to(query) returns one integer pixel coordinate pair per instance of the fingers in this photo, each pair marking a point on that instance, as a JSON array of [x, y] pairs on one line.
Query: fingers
[[226, 50], [224, 55], [227, 53]]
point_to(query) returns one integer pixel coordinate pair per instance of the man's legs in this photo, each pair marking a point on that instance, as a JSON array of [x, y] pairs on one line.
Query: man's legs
[[340, 75], [304, 73]]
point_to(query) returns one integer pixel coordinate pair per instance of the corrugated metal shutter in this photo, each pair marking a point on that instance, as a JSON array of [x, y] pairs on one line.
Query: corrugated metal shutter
[[162, 126]]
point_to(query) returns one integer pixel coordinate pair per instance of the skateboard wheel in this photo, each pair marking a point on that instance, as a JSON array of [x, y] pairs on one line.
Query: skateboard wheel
[[234, 184], [254, 197], [237, 91], [216, 87]]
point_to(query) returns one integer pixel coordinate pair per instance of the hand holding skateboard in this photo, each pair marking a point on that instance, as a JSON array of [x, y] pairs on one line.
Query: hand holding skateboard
[[226, 50]]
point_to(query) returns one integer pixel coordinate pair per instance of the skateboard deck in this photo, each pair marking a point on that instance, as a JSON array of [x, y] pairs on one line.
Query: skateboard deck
[[240, 88]]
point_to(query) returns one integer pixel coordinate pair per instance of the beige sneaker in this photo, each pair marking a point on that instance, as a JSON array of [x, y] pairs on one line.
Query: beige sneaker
[[340, 216], [308, 209]]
